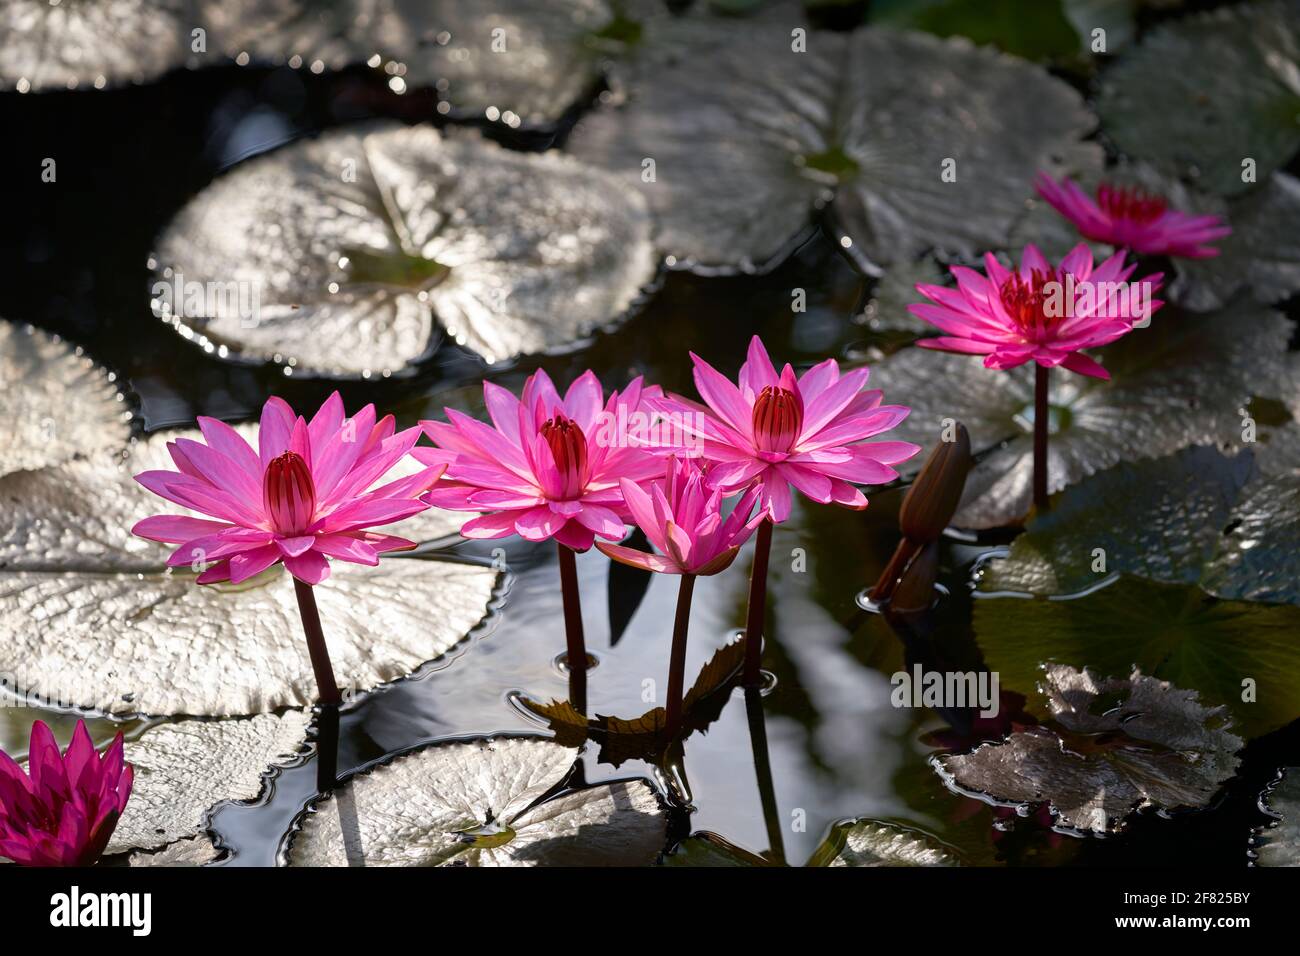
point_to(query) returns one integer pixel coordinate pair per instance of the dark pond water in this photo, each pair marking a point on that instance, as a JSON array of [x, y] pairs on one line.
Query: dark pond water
[[74, 263]]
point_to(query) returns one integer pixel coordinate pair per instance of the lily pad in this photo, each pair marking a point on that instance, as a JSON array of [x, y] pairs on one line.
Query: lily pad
[[749, 139], [1114, 746], [1203, 94], [56, 403], [711, 850], [498, 801], [52, 45], [354, 245], [183, 769], [869, 843], [193, 851], [1179, 382], [1195, 517], [1278, 844], [1241, 654], [1262, 256]]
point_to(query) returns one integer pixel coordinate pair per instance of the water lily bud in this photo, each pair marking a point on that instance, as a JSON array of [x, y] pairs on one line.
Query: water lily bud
[[933, 498], [915, 589]]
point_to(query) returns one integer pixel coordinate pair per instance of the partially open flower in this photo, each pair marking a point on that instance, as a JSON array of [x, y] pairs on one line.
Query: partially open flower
[[309, 493], [682, 517], [64, 813], [1127, 218]]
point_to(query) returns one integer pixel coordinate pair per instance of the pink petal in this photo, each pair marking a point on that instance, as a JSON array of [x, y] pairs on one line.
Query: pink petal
[[310, 567]]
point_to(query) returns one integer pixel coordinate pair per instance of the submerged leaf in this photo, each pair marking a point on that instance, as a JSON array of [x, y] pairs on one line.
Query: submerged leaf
[[346, 250], [645, 737], [1201, 94], [56, 403], [1172, 632], [475, 803], [748, 136], [1114, 746], [1278, 844], [869, 843], [183, 769], [1179, 382]]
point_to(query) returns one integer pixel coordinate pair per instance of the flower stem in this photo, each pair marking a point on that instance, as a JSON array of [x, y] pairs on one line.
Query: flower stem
[[677, 665], [577, 645], [320, 657], [757, 605], [1040, 437], [763, 770]]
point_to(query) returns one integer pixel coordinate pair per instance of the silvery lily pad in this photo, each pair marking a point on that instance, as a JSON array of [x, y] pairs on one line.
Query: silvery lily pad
[[476, 803], [869, 843], [1202, 95], [339, 255], [156, 643], [183, 769], [1240, 654], [1261, 257], [80, 595], [74, 43], [734, 149], [192, 851], [1196, 517], [1114, 746], [1278, 844], [55, 402], [1182, 381]]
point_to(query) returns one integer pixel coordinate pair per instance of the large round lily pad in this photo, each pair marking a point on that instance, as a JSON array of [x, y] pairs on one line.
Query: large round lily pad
[[1113, 746], [1182, 381], [1202, 95], [476, 803], [55, 402], [89, 615], [183, 769], [79, 43], [749, 135], [356, 245]]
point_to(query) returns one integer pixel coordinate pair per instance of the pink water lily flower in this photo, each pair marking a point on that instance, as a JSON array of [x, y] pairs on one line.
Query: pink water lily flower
[[682, 517], [307, 494], [1038, 312], [1128, 218], [547, 467], [64, 812], [781, 431]]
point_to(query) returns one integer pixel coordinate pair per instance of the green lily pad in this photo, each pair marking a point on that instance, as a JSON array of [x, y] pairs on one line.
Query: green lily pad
[[1113, 746], [342, 252], [1240, 654], [1036, 31], [56, 403], [1196, 517], [748, 139], [1278, 844], [711, 850], [498, 801], [1204, 93], [1179, 382]]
